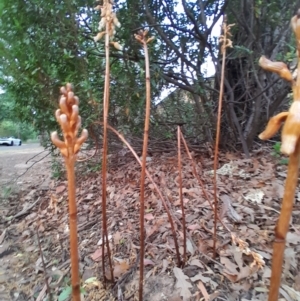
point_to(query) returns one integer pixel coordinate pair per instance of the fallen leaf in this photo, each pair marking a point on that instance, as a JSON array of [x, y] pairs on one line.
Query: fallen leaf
[[120, 268], [165, 266], [203, 290], [100, 240], [148, 262], [293, 238], [193, 227], [117, 238], [96, 256], [149, 216], [197, 262], [190, 247], [182, 283], [60, 189], [89, 197], [230, 266]]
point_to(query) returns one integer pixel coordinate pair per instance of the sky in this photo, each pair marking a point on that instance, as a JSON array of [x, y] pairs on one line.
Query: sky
[[208, 68]]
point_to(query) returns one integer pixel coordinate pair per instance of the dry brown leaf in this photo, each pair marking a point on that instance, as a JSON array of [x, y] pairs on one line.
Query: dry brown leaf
[[148, 262], [182, 283], [117, 237], [229, 265], [60, 189], [120, 268], [228, 210], [193, 227], [96, 256], [149, 217], [203, 290]]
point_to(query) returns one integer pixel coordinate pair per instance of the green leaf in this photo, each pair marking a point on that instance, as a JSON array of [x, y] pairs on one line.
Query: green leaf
[[65, 294], [90, 280]]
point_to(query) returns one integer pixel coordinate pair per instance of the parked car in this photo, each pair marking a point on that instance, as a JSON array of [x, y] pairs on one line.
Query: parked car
[[10, 141]]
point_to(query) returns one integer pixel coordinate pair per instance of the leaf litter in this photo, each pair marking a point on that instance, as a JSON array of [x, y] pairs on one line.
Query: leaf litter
[[250, 192]]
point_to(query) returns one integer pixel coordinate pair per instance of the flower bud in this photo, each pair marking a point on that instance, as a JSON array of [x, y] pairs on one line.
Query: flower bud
[[117, 46], [56, 141], [80, 140], [57, 114], [63, 104], [99, 36], [150, 39], [69, 87], [63, 90], [273, 126], [277, 67]]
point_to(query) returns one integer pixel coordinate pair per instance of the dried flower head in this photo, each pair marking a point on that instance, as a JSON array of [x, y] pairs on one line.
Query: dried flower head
[[70, 121], [223, 39], [141, 37], [108, 22]]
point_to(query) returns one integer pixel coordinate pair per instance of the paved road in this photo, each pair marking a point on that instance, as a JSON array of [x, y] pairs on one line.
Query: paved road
[[26, 148]]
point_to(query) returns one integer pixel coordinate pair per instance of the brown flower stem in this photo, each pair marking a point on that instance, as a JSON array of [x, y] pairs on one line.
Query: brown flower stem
[[104, 159], [290, 145], [284, 222], [70, 121], [75, 279], [143, 171], [216, 161], [180, 194]]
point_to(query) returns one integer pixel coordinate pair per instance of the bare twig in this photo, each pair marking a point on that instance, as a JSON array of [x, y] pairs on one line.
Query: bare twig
[[26, 210]]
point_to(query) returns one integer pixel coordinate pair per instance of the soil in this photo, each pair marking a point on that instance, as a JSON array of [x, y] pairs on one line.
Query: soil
[[23, 170], [23, 166]]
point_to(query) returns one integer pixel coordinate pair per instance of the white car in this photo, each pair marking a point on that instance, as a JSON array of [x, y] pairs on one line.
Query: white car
[[10, 141]]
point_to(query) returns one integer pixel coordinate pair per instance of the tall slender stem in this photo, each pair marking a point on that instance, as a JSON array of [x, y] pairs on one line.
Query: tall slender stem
[[104, 158], [70, 162], [180, 193], [284, 222], [143, 172], [223, 47]]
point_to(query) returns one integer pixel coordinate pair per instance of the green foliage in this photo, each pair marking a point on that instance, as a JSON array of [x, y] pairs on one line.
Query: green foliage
[[6, 191], [23, 131], [44, 44], [57, 168], [65, 294], [277, 154], [276, 148]]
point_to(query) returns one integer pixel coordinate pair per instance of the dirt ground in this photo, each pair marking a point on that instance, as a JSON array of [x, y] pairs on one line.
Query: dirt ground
[[23, 170], [23, 166]]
